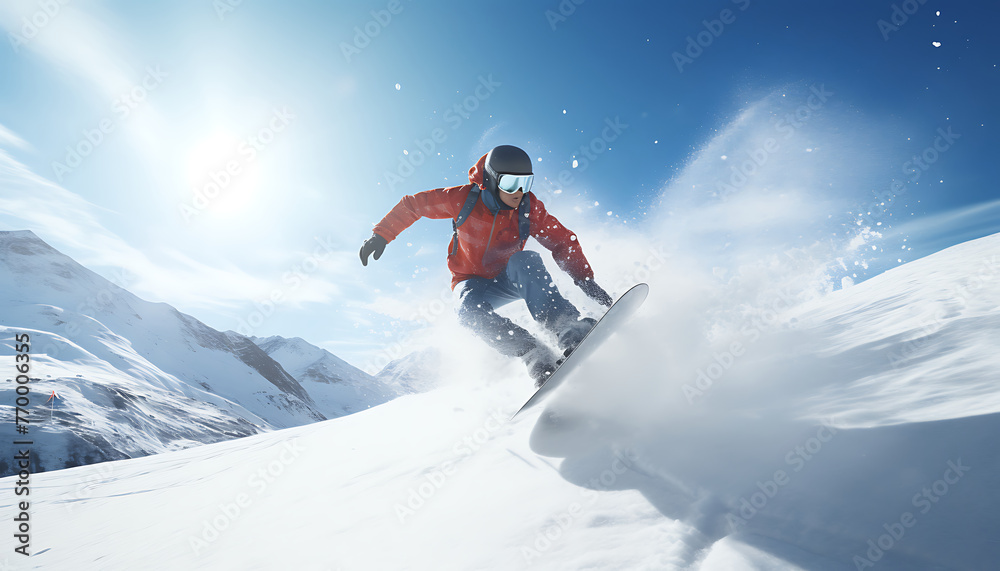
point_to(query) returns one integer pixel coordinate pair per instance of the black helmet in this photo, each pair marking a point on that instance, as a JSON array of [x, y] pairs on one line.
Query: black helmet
[[505, 159]]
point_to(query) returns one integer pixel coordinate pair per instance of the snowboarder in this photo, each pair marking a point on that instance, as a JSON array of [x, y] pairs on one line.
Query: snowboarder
[[492, 217]]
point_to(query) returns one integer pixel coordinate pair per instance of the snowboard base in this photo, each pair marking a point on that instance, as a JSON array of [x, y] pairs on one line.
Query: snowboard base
[[617, 314]]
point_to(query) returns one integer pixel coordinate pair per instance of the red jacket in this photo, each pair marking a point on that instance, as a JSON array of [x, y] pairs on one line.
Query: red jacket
[[486, 240]]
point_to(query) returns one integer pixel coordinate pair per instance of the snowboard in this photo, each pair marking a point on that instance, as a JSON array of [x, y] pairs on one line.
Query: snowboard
[[617, 314]]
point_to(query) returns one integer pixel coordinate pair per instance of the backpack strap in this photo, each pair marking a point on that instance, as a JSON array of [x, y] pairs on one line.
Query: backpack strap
[[524, 218], [463, 215]]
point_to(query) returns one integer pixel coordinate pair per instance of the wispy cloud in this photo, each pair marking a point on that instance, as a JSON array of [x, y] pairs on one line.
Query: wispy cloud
[[82, 40], [73, 225], [934, 232], [10, 139], [70, 38]]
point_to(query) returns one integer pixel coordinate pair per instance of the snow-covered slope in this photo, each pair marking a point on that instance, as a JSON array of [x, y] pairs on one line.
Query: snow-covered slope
[[337, 387], [856, 431], [131, 377]]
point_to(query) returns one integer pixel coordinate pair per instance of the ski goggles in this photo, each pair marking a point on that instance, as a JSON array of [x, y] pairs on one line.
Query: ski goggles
[[511, 183]]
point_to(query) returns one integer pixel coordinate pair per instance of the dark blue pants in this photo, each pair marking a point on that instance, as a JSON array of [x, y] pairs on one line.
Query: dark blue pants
[[525, 278]]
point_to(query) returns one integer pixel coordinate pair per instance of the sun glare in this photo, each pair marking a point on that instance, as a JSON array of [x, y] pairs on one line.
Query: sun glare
[[222, 176]]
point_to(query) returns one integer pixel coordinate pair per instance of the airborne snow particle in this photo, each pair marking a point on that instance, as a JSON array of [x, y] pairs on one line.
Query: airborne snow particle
[[398, 87], [936, 44], [575, 163]]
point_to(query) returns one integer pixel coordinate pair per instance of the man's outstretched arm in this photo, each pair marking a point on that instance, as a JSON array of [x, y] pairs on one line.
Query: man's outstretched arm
[[437, 203]]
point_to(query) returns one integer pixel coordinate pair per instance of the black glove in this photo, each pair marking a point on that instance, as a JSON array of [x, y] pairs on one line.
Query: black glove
[[374, 244], [595, 292]]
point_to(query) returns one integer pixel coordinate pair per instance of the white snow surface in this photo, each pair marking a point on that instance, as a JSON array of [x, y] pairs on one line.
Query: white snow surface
[[853, 429]]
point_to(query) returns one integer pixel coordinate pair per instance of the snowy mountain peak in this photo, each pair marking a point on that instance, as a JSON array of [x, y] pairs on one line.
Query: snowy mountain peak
[[338, 387], [20, 243], [134, 377], [291, 346], [24, 254], [299, 356], [26, 236]]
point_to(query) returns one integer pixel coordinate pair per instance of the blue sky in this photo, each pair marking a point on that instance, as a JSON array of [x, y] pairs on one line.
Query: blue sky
[[305, 113]]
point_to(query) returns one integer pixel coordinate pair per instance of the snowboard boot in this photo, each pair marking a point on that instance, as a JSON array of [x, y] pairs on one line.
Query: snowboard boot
[[541, 363], [573, 333]]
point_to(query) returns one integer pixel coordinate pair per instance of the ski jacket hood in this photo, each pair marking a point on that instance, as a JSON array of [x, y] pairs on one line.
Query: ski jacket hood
[[477, 170], [490, 236], [489, 196]]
